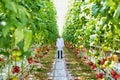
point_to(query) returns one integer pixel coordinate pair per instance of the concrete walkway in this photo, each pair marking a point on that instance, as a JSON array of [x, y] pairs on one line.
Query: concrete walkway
[[59, 70]]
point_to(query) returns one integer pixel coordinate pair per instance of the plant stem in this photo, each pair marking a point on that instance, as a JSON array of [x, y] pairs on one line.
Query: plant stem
[[22, 66], [9, 67]]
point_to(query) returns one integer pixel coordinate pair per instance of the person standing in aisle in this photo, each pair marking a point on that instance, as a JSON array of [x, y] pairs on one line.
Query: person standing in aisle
[[60, 45]]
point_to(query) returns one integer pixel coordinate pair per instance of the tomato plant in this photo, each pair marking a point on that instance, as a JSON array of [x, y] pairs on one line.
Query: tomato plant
[[26, 22], [24, 26], [94, 24]]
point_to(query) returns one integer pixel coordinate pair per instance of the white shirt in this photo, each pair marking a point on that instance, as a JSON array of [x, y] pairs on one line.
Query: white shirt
[[60, 43]]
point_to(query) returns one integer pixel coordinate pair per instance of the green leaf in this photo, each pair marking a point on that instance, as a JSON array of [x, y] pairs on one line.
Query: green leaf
[[5, 30], [11, 6], [103, 10], [5, 42], [95, 9], [27, 53], [117, 14], [22, 17], [27, 39], [18, 35]]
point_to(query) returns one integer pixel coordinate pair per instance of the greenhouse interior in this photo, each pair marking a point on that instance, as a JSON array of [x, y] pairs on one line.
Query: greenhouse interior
[[59, 40]]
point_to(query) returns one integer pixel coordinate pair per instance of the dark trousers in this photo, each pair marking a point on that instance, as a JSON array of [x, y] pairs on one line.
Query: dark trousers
[[60, 54]]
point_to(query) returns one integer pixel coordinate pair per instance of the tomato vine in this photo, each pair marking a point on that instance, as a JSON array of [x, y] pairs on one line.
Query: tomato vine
[[27, 22], [94, 25]]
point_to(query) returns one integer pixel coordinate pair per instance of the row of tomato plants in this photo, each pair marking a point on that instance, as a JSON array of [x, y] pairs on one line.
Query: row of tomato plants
[[27, 28], [94, 25], [26, 22], [16, 68], [104, 65]]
